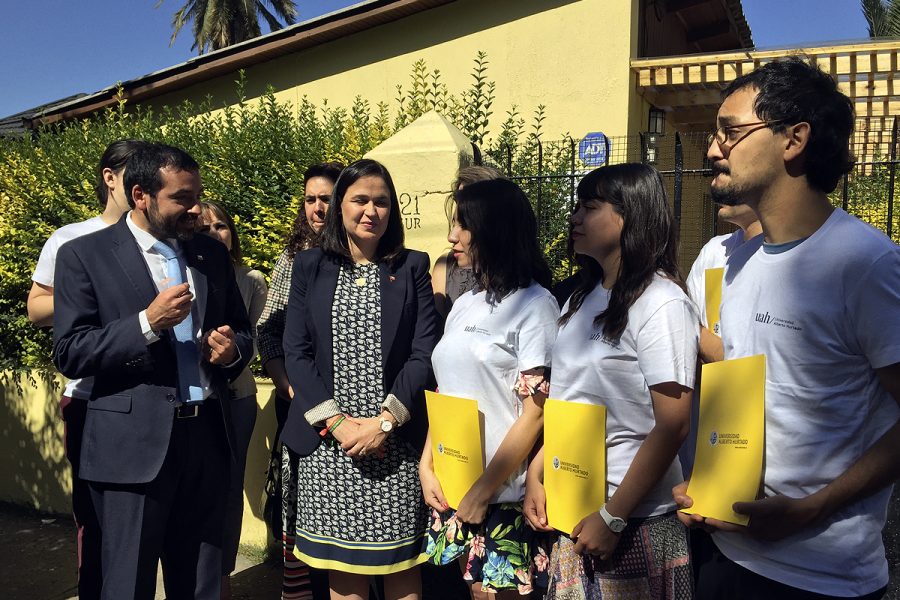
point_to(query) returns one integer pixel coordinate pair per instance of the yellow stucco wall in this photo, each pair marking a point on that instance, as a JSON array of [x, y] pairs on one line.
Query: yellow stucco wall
[[36, 473], [570, 55]]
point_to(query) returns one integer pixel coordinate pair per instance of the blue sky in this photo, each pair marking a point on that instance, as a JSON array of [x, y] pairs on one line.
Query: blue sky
[[50, 49]]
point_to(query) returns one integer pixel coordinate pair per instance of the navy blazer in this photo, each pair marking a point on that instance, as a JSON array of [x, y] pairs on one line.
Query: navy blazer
[[409, 332], [102, 282]]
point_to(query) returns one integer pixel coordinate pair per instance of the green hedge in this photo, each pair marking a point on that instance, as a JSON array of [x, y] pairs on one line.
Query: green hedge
[[252, 155]]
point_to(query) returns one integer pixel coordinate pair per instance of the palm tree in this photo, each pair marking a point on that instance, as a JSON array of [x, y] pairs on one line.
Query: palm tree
[[882, 16], [221, 23]]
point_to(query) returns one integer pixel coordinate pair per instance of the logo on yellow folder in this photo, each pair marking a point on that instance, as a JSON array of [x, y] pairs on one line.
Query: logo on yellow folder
[[713, 438]]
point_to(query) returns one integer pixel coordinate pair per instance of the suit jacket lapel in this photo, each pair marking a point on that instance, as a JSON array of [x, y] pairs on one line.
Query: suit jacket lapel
[[393, 293], [128, 254]]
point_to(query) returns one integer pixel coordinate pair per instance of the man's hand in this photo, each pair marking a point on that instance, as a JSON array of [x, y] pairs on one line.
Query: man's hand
[[778, 517], [593, 535], [222, 349], [170, 307]]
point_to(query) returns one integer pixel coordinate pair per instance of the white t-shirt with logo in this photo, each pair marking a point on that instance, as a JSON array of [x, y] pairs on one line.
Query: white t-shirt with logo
[[826, 314], [482, 352], [659, 345], [44, 275]]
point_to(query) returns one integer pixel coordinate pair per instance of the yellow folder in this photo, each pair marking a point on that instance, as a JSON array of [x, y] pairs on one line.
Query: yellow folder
[[574, 461], [712, 281], [730, 438], [456, 443]]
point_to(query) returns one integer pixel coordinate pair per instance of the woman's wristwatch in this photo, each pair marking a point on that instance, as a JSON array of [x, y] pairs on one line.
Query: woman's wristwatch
[[387, 425], [615, 524]]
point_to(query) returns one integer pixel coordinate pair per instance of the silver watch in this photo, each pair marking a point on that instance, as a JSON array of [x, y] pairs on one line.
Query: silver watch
[[615, 524], [387, 425]]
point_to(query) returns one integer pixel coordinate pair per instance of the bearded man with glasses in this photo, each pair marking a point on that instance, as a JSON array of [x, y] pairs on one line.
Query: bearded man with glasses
[[820, 298]]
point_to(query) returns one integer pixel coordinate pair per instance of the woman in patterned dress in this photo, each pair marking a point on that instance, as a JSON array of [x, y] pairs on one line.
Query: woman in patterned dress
[[627, 340], [360, 329], [318, 182]]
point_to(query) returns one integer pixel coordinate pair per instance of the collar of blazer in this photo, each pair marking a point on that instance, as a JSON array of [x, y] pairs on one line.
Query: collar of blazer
[[394, 287]]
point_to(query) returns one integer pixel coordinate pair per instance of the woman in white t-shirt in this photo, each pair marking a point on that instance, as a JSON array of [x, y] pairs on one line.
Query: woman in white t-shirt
[[627, 340], [496, 346]]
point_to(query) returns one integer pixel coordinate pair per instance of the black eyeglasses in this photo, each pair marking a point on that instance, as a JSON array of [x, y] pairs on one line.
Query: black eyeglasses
[[728, 136]]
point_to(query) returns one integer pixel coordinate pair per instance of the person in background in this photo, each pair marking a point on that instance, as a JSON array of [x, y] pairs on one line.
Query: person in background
[[713, 255], [627, 341], [448, 278], [318, 182], [495, 349], [820, 298], [215, 222], [359, 332], [110, 190]]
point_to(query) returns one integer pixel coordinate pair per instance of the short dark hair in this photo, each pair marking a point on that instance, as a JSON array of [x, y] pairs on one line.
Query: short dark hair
[[301, 236], [114, 157], [333, 239], [649, 242], [144, 165], [791, 91], [329, 170], [219, 210], [504, 247]]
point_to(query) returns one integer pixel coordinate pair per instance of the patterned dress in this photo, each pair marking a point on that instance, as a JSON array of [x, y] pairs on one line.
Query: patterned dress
[[363, 515]]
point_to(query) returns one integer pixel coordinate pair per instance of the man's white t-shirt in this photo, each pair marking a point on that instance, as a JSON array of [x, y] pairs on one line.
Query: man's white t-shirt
[[482, 352], [826, 314], [658, 345], [44, 275]]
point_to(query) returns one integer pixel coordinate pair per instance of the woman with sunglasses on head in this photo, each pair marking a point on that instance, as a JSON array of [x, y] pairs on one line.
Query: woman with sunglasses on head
[[627, 340], [495, 349], [359, 333], [215, 222]]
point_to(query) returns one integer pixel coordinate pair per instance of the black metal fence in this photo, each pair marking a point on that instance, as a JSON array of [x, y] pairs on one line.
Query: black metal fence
[[549, 173]]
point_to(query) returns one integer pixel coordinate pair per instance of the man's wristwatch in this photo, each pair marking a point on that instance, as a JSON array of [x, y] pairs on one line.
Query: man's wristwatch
[[615, 524], [387, 425]]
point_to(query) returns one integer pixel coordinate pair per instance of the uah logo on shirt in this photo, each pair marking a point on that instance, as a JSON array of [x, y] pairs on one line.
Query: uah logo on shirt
[[556, 463], [713, 438], [440, 448]]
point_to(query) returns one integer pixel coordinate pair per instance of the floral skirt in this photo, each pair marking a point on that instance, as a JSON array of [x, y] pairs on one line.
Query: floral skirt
[[651, 561], [502, 553]]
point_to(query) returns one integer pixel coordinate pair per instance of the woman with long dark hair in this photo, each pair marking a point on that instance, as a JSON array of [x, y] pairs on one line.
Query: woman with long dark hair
[[360, 329], [628, 341], [495, 349]]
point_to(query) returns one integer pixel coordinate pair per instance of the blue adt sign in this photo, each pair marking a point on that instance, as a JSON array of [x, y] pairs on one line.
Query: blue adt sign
[[593, 149]]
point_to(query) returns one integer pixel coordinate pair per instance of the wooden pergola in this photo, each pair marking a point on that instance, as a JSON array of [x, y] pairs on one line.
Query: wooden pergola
[[689, 87]]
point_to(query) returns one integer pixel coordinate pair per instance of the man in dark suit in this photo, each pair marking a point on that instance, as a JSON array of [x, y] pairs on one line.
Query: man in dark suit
[[155, 316]]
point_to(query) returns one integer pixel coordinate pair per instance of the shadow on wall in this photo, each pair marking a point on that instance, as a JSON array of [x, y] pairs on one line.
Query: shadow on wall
[[32, 450]]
